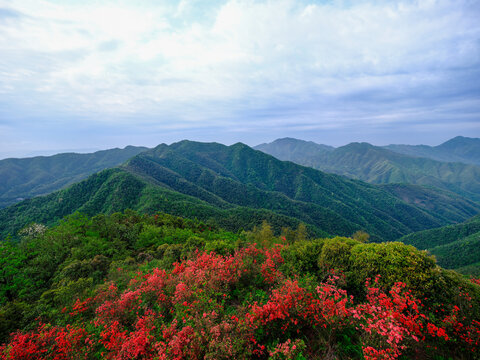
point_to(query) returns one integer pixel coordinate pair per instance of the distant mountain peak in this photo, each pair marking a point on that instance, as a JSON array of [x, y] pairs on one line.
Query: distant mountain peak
[[458, 149], [297, 144], [459, 141], [290, 139]]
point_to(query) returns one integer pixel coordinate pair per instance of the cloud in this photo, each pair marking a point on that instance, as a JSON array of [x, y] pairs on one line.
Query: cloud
[[251, 64]]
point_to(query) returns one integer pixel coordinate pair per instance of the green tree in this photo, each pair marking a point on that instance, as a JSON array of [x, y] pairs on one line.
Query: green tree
[[361, 236], [301, 233]]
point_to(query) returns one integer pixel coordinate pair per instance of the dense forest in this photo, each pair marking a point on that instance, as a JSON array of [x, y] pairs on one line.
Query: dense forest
[[454, 246], [29, 177], [129, 286], [384, 165], [237, 187]]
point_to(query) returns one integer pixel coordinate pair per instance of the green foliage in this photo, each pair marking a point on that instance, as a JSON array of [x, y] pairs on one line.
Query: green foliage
[[441, 236], [301, 233], [361, 236], [43, 273], [379, 165], [236, 188], [263, 234], [30, 177], [454, 246], [394, 262], [301, 257], [150, 235], [356, 262], [459, 253], [15, 315], [336, 254], [66, 293], [81, 256], [12, 279]]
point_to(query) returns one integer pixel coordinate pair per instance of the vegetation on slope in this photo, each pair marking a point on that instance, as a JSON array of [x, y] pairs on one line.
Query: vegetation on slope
[[455, 246], [378, 165], [242, 176], [433, 200], [30, 177], [138, 286], [115, 190], [235, 187]]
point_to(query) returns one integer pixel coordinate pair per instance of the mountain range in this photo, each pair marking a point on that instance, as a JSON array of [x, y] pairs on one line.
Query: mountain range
[[422, 201], [382, 165], [237, 187], [459, 149], [443, 169]]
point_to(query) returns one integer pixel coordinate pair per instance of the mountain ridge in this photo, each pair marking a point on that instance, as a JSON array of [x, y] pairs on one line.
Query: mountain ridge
[[378, 165], [458, 149], [239, 187], [29, 177]]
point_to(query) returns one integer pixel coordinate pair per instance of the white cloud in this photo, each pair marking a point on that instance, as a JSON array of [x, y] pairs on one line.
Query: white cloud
[[181, 61]]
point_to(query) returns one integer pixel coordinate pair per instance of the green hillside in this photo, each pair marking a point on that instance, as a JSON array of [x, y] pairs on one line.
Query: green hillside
[[378, 165], [455, 246], [30, 177], [235, 187], [459, 149], [115, 190], [442, 202]]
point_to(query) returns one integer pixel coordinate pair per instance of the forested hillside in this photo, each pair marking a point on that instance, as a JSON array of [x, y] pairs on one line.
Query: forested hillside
[[378, 165], [236, 187], [139, 286], [29, 177], [455, 246]]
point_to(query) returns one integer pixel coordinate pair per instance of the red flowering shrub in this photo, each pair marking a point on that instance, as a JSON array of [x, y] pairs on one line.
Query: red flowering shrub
[[294, 311], [242, 306], [269, 267], [49, 342], [287, 350], [462, 329]]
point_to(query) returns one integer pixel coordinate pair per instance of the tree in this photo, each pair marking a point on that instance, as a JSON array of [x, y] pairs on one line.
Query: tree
[[301, 233], [361, 236]]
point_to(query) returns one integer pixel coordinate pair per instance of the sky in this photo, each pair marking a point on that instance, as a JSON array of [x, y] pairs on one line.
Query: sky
[[88, 75]]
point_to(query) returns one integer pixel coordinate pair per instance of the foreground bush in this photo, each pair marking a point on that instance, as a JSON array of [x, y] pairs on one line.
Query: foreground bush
[[243, 306]]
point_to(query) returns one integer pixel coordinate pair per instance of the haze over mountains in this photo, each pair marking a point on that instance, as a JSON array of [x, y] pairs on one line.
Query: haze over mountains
[[458, 149], [28, 177]]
